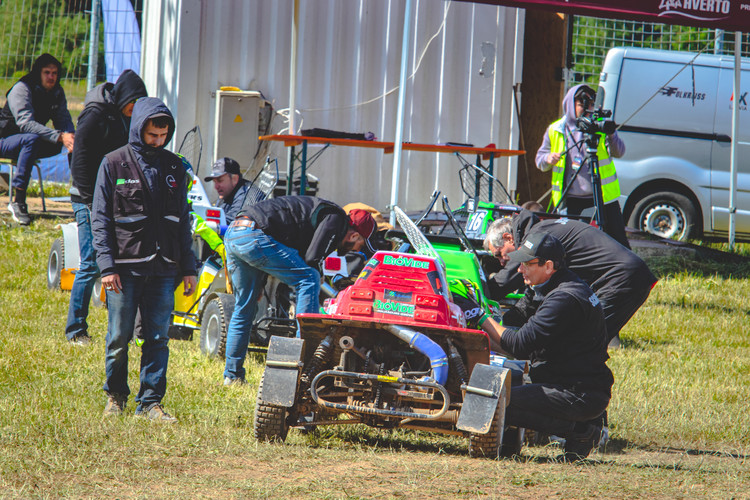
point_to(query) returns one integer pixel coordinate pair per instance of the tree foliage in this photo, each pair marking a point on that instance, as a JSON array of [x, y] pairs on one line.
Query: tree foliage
[[593, 37], [29, 28]]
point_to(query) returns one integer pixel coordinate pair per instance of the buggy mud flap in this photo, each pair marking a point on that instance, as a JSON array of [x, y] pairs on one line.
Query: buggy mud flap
[[486, 386], [281, 375]]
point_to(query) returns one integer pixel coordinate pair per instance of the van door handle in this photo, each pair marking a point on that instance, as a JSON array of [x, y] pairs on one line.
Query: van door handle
[[722, 138]]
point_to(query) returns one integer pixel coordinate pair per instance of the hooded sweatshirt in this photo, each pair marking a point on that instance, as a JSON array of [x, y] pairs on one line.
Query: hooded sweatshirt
[[101, 128], [140, 218], [576, 150], [30, 106]]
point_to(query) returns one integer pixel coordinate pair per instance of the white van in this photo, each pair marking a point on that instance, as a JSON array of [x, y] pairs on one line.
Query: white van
[[674, 175]]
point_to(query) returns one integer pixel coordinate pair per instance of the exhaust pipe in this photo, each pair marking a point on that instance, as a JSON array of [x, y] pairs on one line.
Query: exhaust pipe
[[425, 345]]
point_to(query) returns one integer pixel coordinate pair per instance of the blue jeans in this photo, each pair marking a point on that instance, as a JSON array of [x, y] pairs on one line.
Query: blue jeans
[[250, 255], [154, 295], [86, 276], [26, 149]]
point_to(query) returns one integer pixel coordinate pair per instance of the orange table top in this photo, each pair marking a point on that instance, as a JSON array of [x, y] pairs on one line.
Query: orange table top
[[387, 147]]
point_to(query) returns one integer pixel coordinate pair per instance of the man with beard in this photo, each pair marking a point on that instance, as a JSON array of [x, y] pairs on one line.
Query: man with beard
[[141, 229], [285, 237], [25, 137]]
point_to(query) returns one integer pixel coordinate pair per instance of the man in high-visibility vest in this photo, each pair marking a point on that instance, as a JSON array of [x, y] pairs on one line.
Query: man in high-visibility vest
[[564, 151]]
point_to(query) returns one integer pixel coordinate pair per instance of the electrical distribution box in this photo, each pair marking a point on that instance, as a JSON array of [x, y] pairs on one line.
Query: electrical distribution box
[[236, 125]]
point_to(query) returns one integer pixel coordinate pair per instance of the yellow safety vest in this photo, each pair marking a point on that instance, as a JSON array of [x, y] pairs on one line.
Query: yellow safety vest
[[610, 184]]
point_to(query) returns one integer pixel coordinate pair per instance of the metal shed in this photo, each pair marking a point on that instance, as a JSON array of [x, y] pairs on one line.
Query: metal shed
[[464, 61]]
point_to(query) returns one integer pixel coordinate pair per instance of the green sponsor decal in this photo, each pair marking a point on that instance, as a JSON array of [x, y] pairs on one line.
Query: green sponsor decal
[[405, 262], [120, 181], [390, 307]]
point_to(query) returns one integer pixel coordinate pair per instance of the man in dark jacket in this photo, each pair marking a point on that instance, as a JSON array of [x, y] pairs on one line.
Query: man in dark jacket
[[565, 341], [233, 190], [285, 237], [33, 101], [620, 278], [142, 239], [102, 127]]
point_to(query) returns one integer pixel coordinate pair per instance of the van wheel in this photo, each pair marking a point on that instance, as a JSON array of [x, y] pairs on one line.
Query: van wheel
[[667, 214]]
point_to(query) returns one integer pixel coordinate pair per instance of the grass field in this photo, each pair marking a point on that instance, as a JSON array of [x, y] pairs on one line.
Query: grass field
[[679, 414]]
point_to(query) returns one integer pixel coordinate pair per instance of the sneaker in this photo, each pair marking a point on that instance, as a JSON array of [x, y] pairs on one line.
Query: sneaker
[[234, 381], [20, 213], [115, 405], [580, 443], [81, 340], [156, 413]]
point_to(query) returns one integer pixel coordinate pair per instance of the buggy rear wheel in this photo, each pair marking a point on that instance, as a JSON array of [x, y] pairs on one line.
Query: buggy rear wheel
[[99, 296], [489, 445], [55, 263], [269, 423], [214, 325]]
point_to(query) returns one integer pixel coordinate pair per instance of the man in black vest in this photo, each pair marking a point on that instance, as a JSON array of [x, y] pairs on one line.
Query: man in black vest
[[103, 126], [142, 238], [565, 341], [33, 101]]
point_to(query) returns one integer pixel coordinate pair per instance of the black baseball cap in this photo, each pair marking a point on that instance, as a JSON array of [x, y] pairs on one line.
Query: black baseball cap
[[223, 166], [542, 246]]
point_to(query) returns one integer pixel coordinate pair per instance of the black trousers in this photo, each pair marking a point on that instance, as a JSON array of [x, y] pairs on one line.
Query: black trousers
[[554, 409], [620, 305], [614, 224]]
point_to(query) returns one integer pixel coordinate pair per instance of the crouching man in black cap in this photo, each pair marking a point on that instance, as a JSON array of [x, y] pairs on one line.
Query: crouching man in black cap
[[565, 340]]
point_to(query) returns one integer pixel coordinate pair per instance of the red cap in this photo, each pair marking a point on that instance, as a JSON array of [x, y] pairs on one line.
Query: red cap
[[362, 222]]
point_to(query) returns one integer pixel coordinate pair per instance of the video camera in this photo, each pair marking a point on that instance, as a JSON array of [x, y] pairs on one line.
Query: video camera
[[596, 122]]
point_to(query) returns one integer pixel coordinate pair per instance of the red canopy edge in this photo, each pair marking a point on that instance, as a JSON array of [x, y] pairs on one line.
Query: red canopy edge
[[731, 15]]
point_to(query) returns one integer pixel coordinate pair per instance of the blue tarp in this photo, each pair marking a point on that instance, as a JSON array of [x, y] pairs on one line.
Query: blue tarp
[[55, 168]]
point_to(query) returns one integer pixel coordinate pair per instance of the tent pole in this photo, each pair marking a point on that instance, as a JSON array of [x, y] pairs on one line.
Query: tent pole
[[400, 113], [735, 126]]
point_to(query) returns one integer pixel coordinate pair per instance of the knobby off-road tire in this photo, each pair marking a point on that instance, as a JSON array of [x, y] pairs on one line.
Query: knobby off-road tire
[[489, 445], [214, 324], [55, 263], [269, 423]]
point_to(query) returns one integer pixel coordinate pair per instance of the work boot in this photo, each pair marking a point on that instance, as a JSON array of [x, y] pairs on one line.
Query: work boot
[[20, 213], [582, 440], [156, 413], [115, 405]]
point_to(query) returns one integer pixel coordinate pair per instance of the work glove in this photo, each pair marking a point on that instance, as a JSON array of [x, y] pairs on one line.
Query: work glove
[[466, 295]]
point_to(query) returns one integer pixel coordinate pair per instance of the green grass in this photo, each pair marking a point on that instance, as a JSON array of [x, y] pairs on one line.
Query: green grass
[[680, 426]]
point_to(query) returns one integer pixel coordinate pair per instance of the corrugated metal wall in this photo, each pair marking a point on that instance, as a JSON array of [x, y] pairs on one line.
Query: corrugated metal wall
[[464, 60]]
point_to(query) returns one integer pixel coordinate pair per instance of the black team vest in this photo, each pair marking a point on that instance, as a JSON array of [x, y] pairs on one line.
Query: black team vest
[[146, 228]]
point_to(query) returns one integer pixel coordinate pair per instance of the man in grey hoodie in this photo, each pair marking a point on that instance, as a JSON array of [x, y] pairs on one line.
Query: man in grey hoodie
[[102, 127], [33, 101], [563, 151]]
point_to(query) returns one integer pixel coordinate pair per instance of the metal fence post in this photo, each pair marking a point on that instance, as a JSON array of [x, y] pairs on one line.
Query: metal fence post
[[93, 45]]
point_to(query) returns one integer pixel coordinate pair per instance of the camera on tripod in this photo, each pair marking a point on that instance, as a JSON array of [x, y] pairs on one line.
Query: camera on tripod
[[596, 122]]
